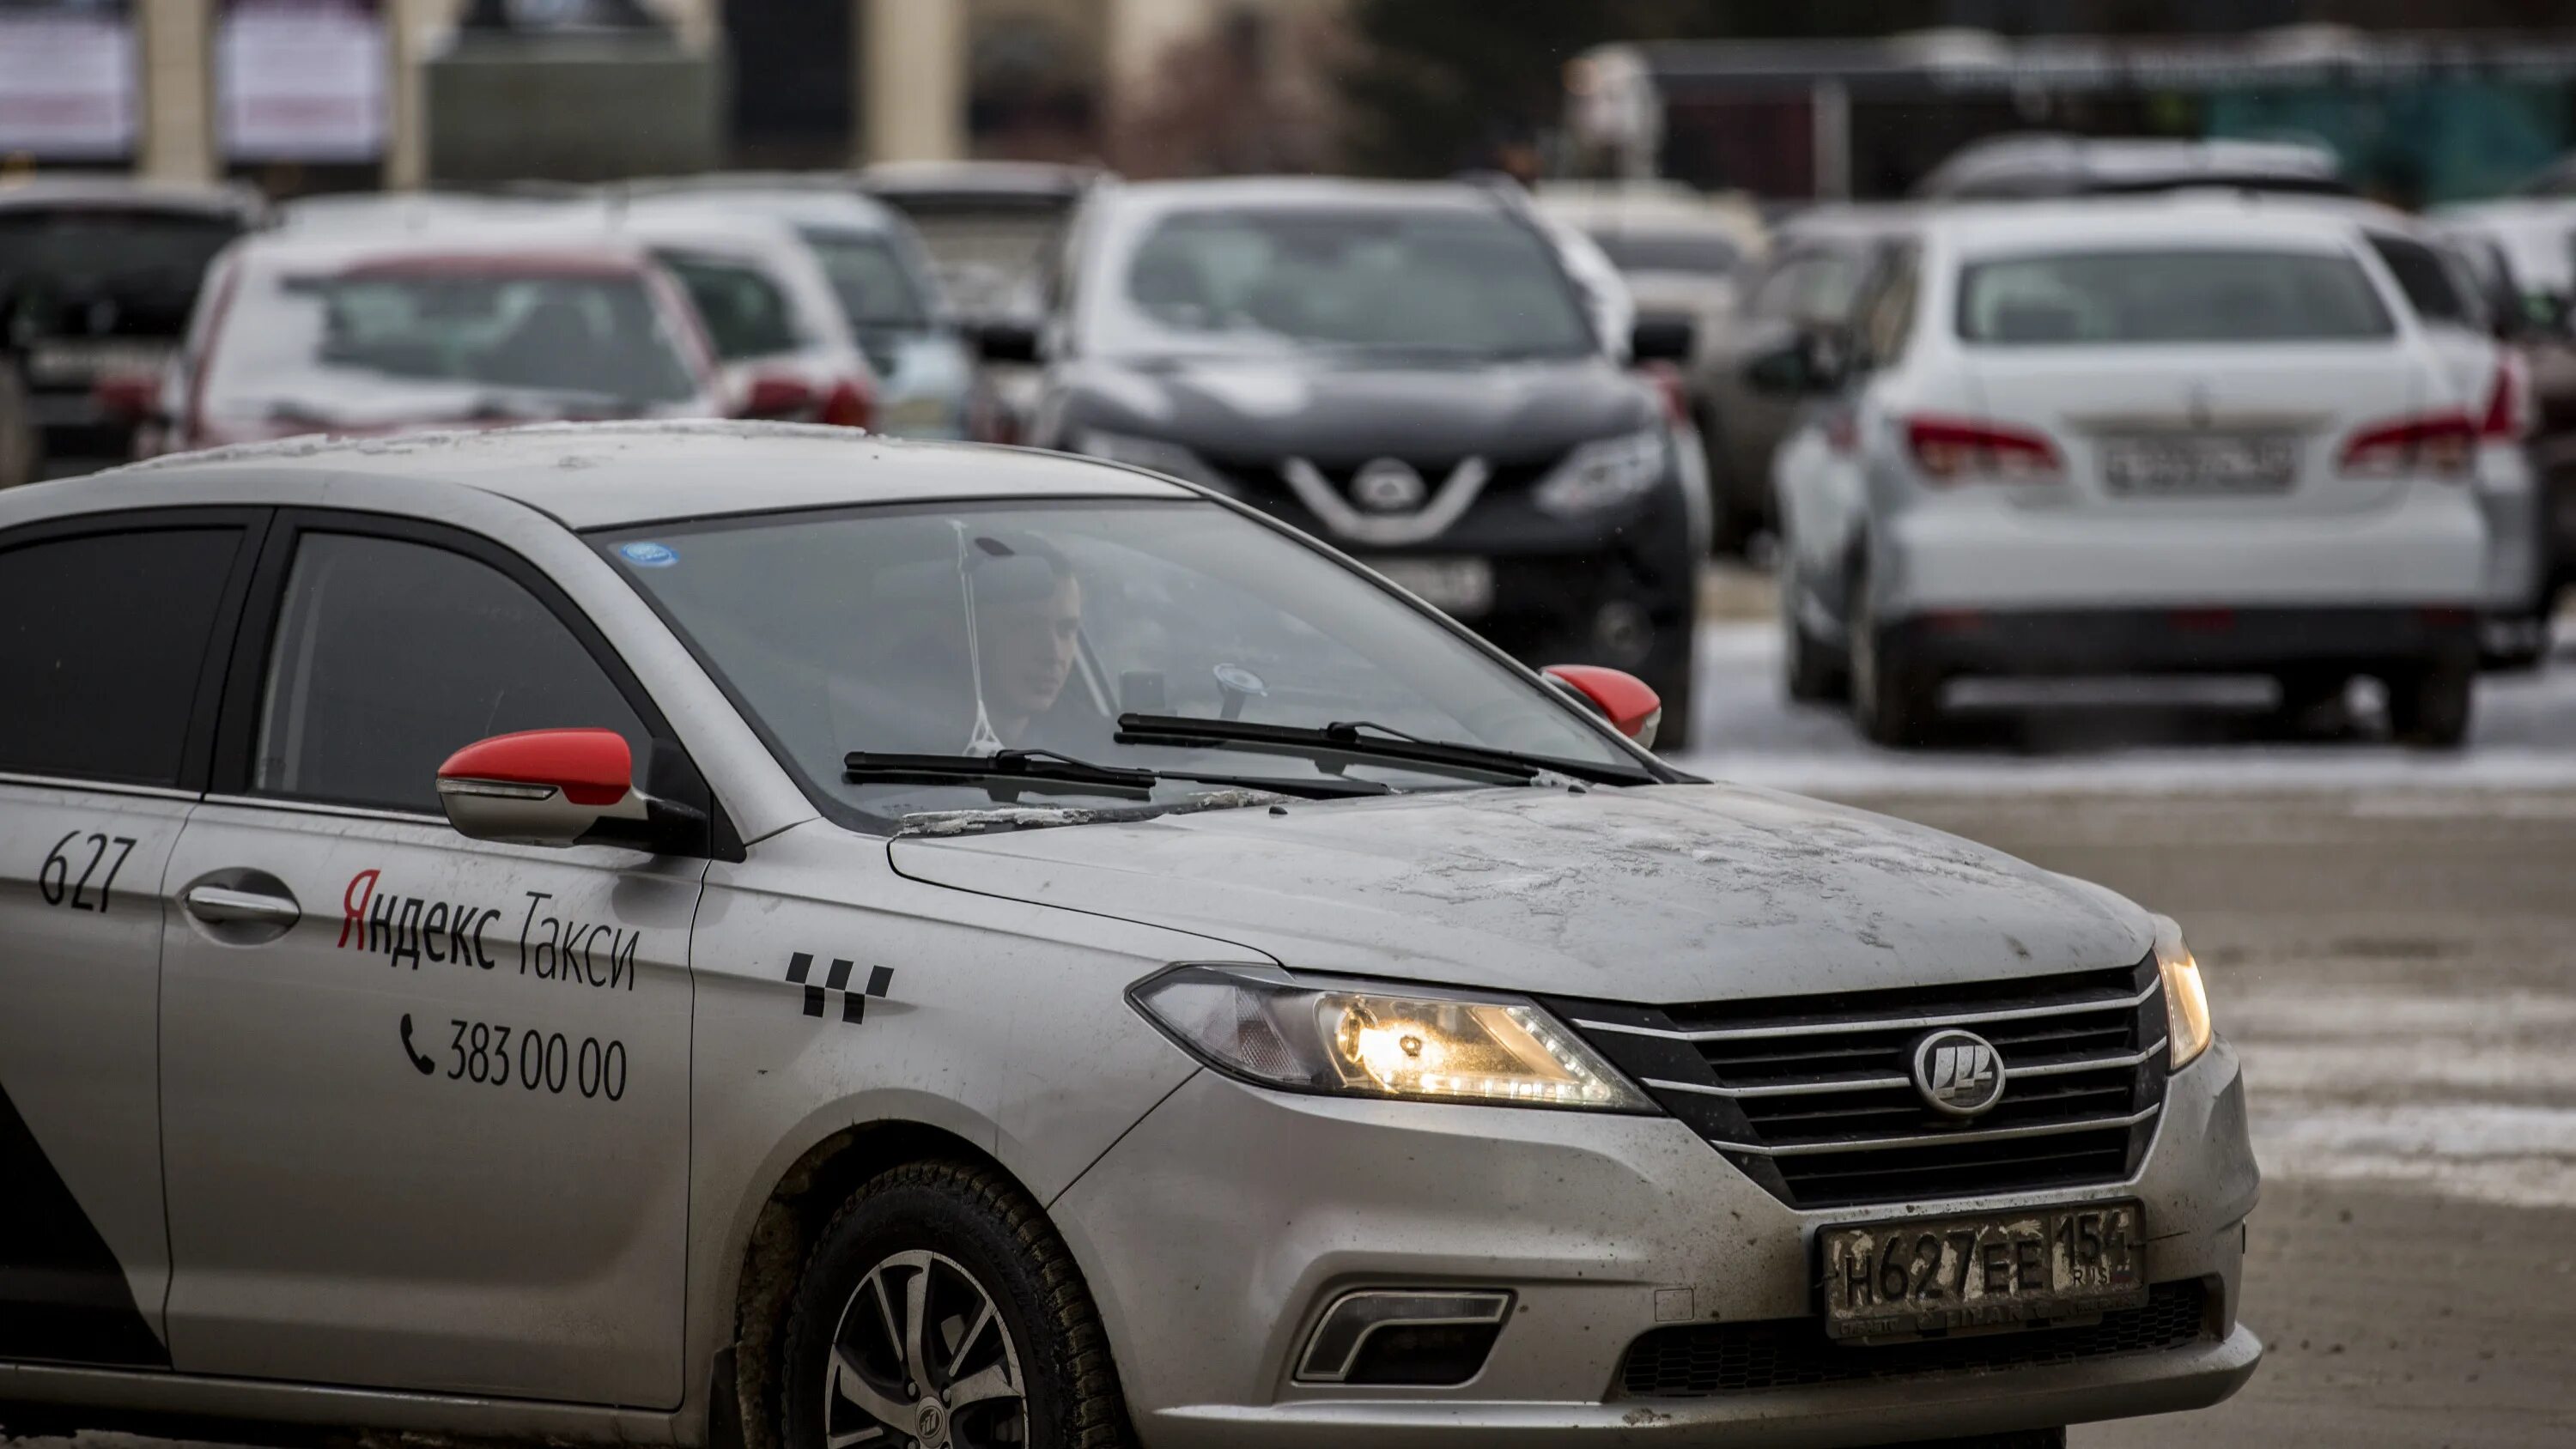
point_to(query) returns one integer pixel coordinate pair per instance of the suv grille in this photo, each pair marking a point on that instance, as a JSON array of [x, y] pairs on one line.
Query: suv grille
[[1813, 1097], [1708, 1359]]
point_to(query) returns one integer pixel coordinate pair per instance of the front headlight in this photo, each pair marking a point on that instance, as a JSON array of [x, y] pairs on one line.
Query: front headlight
[[1149, 453], [1603, 473], [2187, 1029], [1362, 1040]]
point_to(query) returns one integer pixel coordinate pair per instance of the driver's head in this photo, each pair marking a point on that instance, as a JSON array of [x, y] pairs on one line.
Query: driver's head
[[1028, 615]]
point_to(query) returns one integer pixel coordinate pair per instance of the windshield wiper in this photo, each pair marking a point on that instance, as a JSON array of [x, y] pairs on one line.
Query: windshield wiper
[[1363, 740], [1008, 773]]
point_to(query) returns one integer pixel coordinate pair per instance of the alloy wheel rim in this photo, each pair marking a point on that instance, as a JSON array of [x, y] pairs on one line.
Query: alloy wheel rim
[[922, 1357]]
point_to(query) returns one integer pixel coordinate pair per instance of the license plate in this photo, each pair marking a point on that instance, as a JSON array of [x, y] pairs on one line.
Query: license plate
[[2199, 465], [1930, 1275], [1459, 587], [71, 362]]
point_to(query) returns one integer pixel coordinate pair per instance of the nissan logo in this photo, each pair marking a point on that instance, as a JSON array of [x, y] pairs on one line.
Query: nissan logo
[[1388, 485], [1958, 1073]]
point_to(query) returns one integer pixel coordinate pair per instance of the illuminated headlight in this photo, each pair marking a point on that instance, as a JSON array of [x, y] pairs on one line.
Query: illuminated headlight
[[1149, 453], [1603, 473], [1362, 1040], [2187, 1029]]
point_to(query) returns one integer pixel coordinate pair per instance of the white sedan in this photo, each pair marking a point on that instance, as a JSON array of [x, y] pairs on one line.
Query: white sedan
[[2203, 434]]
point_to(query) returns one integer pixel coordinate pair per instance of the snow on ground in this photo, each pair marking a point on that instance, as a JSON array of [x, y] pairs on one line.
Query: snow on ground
[[2145, 735]]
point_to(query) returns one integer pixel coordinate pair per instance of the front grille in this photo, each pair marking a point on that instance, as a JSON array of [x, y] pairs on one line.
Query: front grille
[[1813, 1097], [1704, 1360]]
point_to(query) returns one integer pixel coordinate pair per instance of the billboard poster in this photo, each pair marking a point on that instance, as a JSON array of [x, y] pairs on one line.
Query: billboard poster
[[301, 80], [67, 80]]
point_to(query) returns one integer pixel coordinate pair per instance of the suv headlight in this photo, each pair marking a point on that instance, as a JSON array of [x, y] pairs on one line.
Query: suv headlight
[[1365, 1040], [1149, 453], [2187, 1028], [1603, 473]]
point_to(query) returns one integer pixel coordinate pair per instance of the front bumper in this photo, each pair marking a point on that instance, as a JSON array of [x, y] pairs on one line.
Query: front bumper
[[1215, 1232]]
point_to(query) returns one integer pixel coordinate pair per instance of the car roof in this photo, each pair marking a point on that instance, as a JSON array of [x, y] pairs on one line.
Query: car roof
[[609, 475], [798, 203], [94, 192], [1654, 209], [553, 241], [999, 179], [1856, 222], [1306, 192], [2049, 163], [2121, 223]]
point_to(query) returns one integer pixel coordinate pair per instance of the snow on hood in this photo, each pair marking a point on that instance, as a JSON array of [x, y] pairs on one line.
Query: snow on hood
[[1659, 894]]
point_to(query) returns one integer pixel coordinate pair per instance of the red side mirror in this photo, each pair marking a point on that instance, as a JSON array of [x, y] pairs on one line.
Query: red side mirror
[[1629, 703], [129, 397], [540, 787], [776, 398]]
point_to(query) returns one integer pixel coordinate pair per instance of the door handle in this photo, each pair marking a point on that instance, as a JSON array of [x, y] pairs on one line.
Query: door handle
[[221, 905]]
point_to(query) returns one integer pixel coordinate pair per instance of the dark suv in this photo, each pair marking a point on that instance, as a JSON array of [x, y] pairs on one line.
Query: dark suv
[[1408, 372]]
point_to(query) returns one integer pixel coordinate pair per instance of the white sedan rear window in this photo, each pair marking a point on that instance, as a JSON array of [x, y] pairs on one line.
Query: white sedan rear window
[[2094, 299]]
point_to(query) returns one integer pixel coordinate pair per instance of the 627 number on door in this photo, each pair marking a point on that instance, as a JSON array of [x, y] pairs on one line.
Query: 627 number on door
[[60, 887]]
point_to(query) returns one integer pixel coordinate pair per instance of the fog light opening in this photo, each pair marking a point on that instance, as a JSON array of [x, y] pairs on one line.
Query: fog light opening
[[1415, 1337]]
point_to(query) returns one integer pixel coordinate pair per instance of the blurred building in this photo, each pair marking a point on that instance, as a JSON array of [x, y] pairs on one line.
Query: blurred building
[[304, 95]]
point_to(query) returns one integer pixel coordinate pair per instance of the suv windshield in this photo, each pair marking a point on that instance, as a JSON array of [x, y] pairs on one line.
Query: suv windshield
[[1669, 251], [1448, 279], [396, 344], [947, 631], [59, 265], [2093, 299], [875, 288]]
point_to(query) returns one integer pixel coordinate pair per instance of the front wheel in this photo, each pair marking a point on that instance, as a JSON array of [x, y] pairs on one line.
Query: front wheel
[[940, 1310], [1895, 698]]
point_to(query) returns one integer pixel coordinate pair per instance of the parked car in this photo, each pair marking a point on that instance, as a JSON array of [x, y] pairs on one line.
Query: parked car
[[506, 940], [1407, 371], [1793, 306], [1681, 252], [2185, 435], [2524, 255], [367, 333], [780, 338], [994, 229], [925, 364], [97, 276], [2023, 166]]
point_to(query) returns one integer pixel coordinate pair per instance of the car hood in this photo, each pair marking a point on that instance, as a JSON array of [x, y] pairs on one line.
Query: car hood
[[1339, 413], [1651, 894]]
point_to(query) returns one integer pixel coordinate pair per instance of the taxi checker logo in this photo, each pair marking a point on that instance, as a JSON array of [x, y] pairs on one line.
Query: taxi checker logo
[[1958, 1072], [1388, 485]]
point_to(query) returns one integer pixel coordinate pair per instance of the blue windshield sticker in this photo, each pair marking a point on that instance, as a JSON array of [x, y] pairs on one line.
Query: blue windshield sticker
[[648, 555]]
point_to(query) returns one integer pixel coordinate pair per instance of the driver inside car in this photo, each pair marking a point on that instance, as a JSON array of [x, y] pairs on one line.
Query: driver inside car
[[1027, 607]]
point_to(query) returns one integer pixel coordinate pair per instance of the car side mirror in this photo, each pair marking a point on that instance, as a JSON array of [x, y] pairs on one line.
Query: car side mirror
[[1006, 340], [546, 787], [1661, 339], [777, 399], [1810, 361], [128, 397], [1630, 704]]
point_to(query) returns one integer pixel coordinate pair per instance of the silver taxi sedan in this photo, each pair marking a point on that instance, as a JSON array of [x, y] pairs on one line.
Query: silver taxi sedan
[[755, 936]]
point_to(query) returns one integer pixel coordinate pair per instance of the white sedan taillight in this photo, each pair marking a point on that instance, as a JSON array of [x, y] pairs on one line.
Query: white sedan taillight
[[2506, 419], [1972, 450], [2443, 445]]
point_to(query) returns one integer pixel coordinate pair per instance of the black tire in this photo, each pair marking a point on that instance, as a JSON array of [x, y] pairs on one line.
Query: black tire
[[966, 1236], [1672, 680], [20, 443], [1811, 671], [2429, 705], [1732, 524], [2020, 1439], [1895, 699]]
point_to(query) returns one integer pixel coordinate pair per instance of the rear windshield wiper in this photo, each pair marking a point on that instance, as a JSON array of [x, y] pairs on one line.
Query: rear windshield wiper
[[1363, 740], [1008, 773]]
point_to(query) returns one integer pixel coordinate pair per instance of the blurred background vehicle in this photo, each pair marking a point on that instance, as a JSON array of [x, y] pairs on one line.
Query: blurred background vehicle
[[771, 314], [2190, 435], [2021, 167], [889, 295], [2522, 253], [1749, 375], [97, 275], [359, 334], [1407, 372]]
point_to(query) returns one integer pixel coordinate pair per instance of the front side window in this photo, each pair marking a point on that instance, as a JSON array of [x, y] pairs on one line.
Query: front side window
[[102, 639], [877, 291], [487, 343], [2426, 280], [746, 313], [2142, 297], [1450, 280], [390, 656], [967, 630]]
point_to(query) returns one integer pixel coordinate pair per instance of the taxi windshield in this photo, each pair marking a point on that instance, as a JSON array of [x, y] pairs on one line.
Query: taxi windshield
[[962, 633]]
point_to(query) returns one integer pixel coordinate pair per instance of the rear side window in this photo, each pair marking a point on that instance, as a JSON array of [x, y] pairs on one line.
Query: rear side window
[[390, 656], [102, 639], [2096, 299], [2424, 279]]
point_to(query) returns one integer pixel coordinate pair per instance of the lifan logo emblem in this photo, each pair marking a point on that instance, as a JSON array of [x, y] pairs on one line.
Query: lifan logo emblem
[[1958, 1073]]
